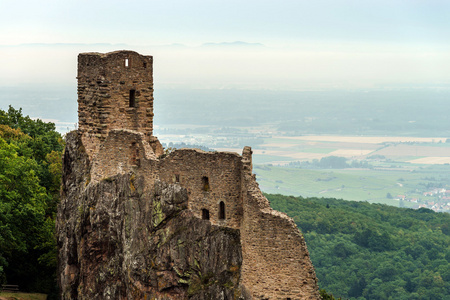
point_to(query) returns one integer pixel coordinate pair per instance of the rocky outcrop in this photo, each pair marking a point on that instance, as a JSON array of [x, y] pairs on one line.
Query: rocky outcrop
[[190, 225], [119, 240]]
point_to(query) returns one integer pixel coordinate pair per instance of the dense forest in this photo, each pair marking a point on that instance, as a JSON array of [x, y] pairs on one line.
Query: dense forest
[[373, 251], [30, 176]]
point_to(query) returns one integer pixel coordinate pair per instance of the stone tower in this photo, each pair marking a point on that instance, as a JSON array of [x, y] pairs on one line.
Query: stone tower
[[115, 91]]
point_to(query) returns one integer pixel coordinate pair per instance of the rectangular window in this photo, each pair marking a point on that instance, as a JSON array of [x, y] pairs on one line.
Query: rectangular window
[[132, 98], [126, 62], [205, 214], [205, 183]]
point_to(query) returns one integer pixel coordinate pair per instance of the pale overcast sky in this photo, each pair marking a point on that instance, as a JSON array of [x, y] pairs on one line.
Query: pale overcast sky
[[307, 44]]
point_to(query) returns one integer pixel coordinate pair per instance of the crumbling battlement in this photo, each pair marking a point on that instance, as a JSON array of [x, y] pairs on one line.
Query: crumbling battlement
[[183, 225]]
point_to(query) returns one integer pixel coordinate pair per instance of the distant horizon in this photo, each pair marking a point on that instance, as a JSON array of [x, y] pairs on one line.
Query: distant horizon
[[240, 65], [292, 45]]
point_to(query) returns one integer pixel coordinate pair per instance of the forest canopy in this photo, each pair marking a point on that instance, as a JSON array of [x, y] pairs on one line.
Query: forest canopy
[[30, 177], [373, 251]]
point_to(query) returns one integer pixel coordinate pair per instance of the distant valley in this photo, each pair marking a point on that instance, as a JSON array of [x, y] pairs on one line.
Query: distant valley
[[394, 142]]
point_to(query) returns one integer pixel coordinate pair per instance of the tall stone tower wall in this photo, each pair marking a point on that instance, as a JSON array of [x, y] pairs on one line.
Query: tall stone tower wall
[[115, 91]]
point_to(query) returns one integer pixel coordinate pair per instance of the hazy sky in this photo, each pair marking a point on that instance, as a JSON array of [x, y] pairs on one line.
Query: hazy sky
[[306, 44]]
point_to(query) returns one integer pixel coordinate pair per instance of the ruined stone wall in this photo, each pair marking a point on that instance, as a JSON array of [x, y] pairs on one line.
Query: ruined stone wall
[[115, 91], [276, 263], [210, 178], [122, 152]]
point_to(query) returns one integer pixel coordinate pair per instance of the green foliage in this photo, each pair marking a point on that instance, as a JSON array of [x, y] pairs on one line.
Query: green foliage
[[30, 176], [373, 251], [326, 296]]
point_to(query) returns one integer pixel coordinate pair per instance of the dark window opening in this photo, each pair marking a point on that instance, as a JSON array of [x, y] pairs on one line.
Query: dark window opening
[[177, 178], [221, 210], [205, 214], [126, 62], [132, 98], [145, 65], [205, 183]]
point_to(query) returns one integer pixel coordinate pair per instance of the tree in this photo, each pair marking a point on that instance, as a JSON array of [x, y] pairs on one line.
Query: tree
[[333, 162], [22, 204], [30, 176]]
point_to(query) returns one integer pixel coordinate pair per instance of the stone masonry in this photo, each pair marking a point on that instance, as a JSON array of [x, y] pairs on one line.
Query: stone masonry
[[136, 223]]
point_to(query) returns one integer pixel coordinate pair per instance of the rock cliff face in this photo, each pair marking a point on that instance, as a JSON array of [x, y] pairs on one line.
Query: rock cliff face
[[132, 235], [134, 223], [119, 240]]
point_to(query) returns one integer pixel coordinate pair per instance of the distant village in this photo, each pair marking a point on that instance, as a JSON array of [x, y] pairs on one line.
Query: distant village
[[437, 199]]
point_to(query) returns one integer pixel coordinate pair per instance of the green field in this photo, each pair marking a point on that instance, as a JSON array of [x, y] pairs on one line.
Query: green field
[[350, 184]]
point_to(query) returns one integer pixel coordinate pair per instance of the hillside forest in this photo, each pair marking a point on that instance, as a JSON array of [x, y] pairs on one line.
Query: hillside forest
[[30, 178], [373, 251], [359, 250]]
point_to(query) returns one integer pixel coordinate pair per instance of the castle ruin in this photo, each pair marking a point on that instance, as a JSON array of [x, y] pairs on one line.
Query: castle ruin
[[135, 223]]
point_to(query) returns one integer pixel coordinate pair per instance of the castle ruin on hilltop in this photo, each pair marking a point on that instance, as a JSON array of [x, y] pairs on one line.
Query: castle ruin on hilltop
[[134, 223]]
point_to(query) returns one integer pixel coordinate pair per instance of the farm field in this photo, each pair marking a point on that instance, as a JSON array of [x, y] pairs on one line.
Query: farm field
[[282, 150], [399, 170], [359, 185], [415, 150], [351, 184]]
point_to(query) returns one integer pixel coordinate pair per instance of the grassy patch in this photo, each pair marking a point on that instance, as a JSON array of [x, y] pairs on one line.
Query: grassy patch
[[350, 184]]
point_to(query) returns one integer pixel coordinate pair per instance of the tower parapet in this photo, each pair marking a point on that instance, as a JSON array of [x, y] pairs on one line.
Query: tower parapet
[[115, 91]]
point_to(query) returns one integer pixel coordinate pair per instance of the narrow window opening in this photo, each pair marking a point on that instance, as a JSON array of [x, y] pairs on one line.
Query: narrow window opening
[[205, 183], [205, 214], [145, 65], [221, 210], [177, 178], [126, 62], [132, 98]]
